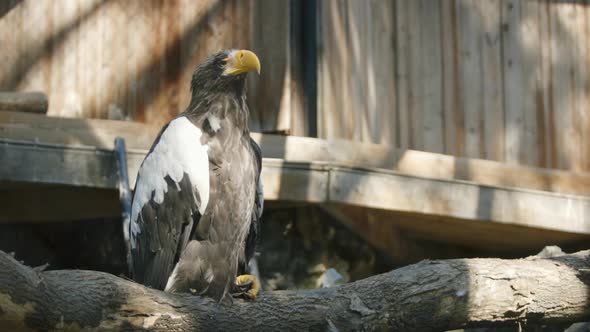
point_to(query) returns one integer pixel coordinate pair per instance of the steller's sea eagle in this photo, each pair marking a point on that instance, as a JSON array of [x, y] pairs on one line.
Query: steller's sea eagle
[[198, 198]]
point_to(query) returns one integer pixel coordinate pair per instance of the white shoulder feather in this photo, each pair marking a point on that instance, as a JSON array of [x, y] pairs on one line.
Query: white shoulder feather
[[178, 151]]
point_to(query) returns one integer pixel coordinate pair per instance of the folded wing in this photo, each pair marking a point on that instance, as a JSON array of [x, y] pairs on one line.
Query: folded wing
[[171, 193]]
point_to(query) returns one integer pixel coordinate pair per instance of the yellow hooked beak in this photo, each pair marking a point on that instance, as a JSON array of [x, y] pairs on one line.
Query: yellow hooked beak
[[241, 61]]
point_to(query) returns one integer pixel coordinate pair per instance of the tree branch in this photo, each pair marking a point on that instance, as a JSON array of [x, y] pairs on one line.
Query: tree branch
[[428, 296]]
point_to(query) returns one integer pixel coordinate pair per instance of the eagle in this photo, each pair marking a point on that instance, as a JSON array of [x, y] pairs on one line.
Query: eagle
[[198, 200]]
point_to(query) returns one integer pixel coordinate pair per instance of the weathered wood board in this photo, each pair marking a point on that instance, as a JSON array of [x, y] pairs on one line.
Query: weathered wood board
[[94, 133], [74, 171], [34, 102], [503, 80], [408, 237], [134, 59], [48, 162]]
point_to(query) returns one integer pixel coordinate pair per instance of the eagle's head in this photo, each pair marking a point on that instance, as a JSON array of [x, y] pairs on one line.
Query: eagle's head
[[225, 71]]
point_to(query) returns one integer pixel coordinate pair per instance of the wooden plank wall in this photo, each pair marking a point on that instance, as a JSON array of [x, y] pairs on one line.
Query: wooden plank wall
[[505, 80], [134, 59], [499, 79], [349, 107]]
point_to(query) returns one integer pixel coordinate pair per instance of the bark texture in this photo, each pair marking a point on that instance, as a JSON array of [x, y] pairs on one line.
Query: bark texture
[[428, 296]]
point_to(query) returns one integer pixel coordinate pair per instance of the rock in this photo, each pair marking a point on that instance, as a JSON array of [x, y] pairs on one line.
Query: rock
[[330, 278], [550, 251]]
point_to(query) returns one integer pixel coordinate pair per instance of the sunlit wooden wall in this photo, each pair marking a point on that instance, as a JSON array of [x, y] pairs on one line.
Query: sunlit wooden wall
[[133, 59], [495, 79], [500, 80]]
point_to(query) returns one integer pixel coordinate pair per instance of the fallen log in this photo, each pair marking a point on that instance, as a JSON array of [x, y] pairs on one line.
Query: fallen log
[[428, 296], [32, 102]]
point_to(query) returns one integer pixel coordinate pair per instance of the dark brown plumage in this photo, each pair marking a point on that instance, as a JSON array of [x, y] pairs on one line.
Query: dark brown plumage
[[198, 197]]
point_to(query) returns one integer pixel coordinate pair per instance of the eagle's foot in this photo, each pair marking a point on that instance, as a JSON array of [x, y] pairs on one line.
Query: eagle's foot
[[246, 286]]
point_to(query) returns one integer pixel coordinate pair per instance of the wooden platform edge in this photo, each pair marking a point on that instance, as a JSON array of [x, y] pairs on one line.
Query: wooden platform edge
[[321, 183], [101, 133]]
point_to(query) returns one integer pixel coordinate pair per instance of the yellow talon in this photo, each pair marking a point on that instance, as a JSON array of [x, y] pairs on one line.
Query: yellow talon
[[254, 285]]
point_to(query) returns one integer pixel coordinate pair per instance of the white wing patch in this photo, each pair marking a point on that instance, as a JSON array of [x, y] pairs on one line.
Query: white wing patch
[[171, 279], [179, 151], [214, 122]]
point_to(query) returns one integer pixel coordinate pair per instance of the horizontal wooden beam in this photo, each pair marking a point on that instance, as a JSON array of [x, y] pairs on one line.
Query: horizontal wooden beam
[[94, 133], [54, 161], [101, 134], [58, 165], [387, 190], [34, 102], [28, 202], [51, 164], [409, 237], [444, 207]]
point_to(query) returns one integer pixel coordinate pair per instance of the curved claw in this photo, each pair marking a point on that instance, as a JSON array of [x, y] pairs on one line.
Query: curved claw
[[247, 286]]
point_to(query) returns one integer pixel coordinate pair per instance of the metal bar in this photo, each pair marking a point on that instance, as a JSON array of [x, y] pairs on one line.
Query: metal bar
[[124, 193]]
